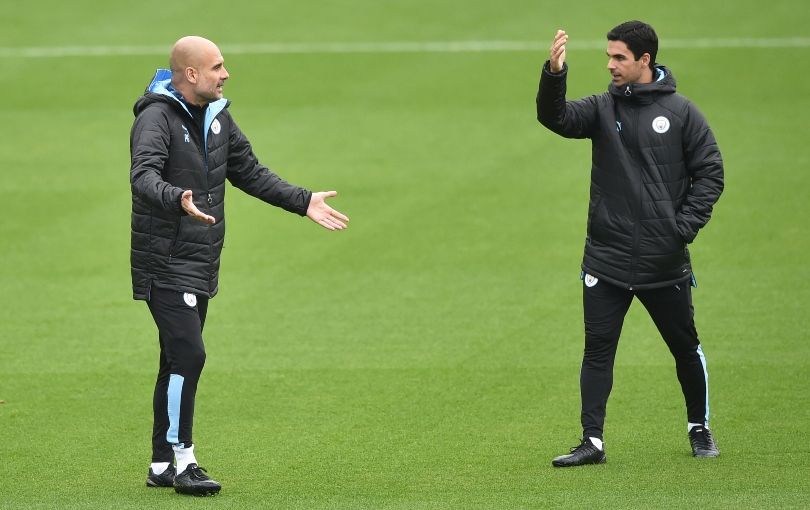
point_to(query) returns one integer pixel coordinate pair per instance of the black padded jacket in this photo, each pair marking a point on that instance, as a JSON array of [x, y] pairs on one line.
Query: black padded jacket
[[656, 174], [172, 152]]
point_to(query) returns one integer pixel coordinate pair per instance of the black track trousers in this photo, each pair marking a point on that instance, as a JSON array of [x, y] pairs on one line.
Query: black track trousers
[[671, 310], [180, 319]]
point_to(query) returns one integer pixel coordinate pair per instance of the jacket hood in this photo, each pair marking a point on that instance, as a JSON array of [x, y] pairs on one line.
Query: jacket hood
[[160, 90], [664, 83]]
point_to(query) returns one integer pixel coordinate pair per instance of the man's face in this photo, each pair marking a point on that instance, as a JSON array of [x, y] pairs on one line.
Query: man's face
[[211, 76], [622, 64]]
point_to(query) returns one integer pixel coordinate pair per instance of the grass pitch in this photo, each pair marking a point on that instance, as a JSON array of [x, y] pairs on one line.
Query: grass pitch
[[427, 357]]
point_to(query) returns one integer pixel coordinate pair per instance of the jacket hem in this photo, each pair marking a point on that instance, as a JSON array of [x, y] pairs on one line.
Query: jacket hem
[[140, 294], [640, 286]]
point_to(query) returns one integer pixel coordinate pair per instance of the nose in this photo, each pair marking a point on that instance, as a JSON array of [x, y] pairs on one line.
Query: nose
[[226, 75]]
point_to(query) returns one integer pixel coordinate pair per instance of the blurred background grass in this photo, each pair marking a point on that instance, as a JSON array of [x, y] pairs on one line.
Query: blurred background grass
[[427, 357]]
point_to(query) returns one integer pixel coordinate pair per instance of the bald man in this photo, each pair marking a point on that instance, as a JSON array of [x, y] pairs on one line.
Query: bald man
[[184, 145]]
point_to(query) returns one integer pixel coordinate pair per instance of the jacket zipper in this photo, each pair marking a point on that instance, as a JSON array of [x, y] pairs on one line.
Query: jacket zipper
[[638, 204], [208, 199], [633, 125]]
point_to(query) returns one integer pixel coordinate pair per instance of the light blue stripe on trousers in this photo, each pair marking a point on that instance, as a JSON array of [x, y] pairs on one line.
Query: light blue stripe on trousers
[[175, 394], [706, 376]]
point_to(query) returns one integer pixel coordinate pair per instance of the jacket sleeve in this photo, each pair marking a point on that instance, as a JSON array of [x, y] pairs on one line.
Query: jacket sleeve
[[149, 148], [246, 173], [571, 119], [705, 166]]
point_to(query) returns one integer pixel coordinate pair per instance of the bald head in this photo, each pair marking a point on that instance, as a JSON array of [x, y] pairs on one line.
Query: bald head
[[188, 51], [198, 70]]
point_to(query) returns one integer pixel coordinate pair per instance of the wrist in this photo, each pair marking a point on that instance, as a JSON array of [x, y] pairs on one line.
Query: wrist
[[551, 70]]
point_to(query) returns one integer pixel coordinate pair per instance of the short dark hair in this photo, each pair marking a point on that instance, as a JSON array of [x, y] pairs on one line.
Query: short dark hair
[[639, 37]]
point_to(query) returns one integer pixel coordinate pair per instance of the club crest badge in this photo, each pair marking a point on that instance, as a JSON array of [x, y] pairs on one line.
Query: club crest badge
[[591, 280], [190, 299], [660, 124], [215, 127]]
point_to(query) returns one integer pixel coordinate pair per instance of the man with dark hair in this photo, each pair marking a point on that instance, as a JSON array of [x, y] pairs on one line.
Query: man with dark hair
[[639, 37], [656, 174], [184, 145]]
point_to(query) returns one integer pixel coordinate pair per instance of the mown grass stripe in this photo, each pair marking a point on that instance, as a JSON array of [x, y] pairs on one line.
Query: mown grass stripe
[[395, 47]]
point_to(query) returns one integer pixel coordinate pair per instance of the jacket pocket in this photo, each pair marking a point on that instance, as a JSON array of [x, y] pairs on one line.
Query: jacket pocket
[[595, 219], [677, 236], [176, 237]]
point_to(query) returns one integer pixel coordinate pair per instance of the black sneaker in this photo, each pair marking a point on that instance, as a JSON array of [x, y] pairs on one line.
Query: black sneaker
[[702, 443], [585, 453], [195, 482], [164, 479]]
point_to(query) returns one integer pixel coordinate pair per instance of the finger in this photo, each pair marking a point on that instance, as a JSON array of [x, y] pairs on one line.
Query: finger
[[204, 218], [333, 212], [339, 225], [323, 195], [556, 45], [325, 224], [330, 220], [559, 43], [192, 210], [339, 215], [198, 215]]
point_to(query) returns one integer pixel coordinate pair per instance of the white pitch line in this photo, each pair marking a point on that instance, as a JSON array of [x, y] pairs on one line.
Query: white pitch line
[[395, 47]]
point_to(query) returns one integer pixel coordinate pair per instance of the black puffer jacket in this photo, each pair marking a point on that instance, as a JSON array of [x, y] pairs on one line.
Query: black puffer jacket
[[656, 174], [169, 248]]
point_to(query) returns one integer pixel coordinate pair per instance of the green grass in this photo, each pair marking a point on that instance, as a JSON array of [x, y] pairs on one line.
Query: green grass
[[427, 357]]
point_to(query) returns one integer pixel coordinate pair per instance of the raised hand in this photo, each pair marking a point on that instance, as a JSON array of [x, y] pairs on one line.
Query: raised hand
[[187, 203], [557, 54], [320, 212]]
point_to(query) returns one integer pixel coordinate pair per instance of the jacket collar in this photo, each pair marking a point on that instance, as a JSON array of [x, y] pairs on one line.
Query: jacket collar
[[645, 93], [162, 84]]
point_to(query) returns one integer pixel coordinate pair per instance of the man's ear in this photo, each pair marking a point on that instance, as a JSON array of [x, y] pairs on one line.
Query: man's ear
[[645, 59], [191, 75]]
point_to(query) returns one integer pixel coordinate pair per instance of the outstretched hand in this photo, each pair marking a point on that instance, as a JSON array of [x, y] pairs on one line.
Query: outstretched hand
[[320, 212], [187, 202], [557, 54]]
